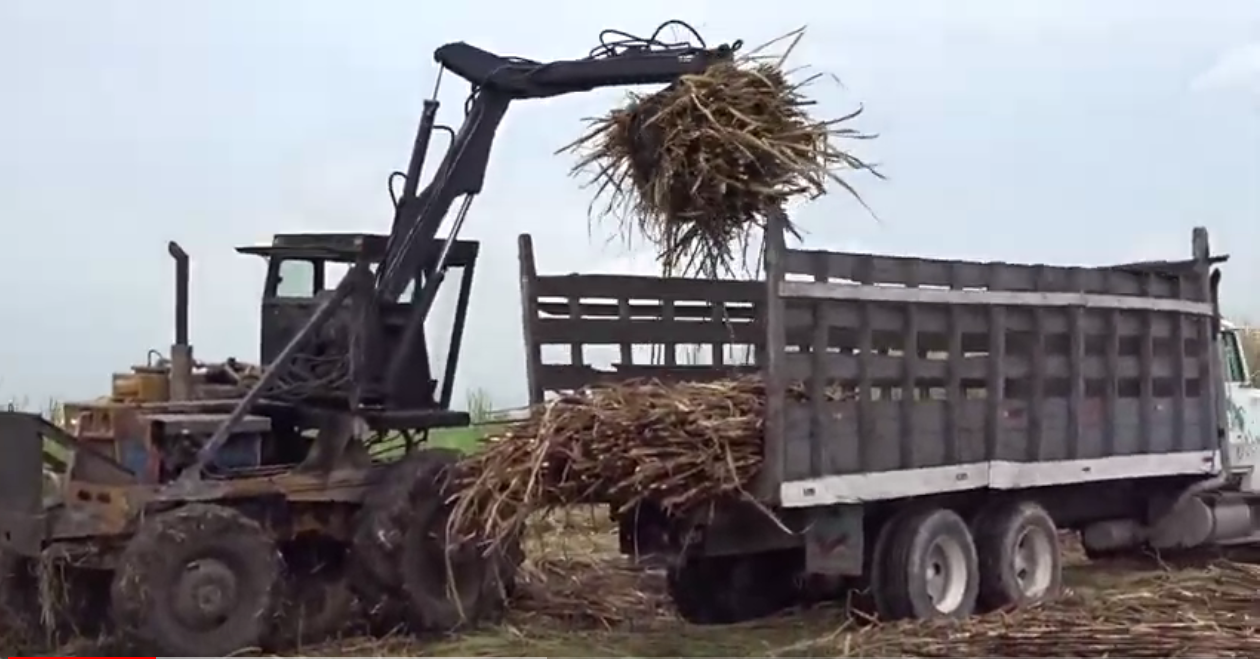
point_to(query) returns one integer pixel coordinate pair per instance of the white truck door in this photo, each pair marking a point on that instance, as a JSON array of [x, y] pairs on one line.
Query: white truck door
[[1243, 407]]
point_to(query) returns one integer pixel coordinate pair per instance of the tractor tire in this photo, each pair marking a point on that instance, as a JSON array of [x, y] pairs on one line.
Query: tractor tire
[[1020, 562], [381, 525], [722, 590], [400, 546], [200, 580], [928, 568]]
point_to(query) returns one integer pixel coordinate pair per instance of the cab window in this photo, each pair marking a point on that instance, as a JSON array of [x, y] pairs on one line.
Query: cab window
[[1235, 371], [295, 278]]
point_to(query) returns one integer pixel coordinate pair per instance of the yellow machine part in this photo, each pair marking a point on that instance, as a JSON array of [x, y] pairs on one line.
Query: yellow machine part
[[142, 385]]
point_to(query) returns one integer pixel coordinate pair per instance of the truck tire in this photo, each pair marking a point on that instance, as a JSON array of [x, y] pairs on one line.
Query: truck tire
[[1020, 561], [720, 590], [199, 580], [929, 569]]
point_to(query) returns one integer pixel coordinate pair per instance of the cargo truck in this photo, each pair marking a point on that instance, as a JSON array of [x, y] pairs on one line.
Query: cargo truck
[[989, 407]]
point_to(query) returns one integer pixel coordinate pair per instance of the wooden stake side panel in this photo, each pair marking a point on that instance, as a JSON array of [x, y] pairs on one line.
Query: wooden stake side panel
[[917, 363]]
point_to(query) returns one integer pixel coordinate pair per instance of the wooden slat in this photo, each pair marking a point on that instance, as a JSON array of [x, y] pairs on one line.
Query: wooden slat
[[839, 291], [682, 310], [771, 357], [632, 287], [967, 274], [935, 319], [565, 377], [889, 370], [640, 331]]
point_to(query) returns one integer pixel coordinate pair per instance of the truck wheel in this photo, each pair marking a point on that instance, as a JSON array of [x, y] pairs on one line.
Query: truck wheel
[[1018, 546], [929, 569], [720, 590], [198, 580]]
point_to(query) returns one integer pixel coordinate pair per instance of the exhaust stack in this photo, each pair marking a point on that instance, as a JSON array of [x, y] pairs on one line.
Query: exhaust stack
[[181, 350]]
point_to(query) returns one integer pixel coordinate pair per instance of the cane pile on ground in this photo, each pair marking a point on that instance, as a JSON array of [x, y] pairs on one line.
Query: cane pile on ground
[[696, 167], [675, 445], [1209, 612]]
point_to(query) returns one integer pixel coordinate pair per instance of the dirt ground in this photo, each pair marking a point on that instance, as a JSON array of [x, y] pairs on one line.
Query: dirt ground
[[580, 598]]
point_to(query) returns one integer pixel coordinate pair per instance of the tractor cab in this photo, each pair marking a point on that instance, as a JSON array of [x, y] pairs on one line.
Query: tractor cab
[[344, 362]]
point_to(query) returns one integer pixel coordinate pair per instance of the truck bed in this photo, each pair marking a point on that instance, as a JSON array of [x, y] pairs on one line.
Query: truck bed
[[923, 375]]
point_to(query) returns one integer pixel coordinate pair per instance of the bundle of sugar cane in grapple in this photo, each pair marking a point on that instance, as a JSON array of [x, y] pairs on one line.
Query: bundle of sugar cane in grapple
[[694, 169]]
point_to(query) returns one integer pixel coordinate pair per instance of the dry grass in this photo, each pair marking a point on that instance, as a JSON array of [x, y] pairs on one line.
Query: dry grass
[[579, 598], [696, 167]]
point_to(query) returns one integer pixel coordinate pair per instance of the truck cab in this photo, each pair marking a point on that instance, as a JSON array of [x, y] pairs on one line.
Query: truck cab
[[302, 268]]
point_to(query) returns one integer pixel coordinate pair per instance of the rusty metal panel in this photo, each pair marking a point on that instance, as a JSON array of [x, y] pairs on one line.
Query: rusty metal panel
[[21, 483]]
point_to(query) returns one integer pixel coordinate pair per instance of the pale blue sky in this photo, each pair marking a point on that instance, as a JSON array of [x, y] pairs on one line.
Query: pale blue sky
[[1060, 131]]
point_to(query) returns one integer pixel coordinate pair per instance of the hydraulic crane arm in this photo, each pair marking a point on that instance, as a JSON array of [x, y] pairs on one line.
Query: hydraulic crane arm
[[497, 81]]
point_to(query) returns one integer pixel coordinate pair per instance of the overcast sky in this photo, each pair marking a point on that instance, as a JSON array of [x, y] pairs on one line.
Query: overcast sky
[[1061, 131]]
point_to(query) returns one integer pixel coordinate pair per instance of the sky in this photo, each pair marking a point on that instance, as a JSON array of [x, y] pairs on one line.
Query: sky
[[1055, 131]]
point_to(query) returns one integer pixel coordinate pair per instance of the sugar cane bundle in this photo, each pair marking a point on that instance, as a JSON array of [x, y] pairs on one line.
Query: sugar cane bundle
[[675, 445], [696, 167]]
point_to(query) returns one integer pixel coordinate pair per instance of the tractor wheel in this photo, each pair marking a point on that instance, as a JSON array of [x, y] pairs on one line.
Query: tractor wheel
[[719, 590], [197, 581], [400, 549], [928, 567], [451, 585], [1018, 547], [381, 525]]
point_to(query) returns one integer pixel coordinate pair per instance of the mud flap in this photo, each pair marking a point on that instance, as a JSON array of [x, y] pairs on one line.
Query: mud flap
[[22, 482]]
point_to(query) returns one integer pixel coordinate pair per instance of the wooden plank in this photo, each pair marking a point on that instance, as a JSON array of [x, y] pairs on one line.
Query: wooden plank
[[910, 370], [1146, 384], [626, 348], [651, 310], [1111, 382], [613, 287], [529, 315], [568, 377], [670, 344], [889, 370], [820, 428], [718, 348], [840, 291], [994, 276], [640, 331], [972, 320], [1182, 441], [1076, 370], [955, 370], [995, 389], [773, 470]]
